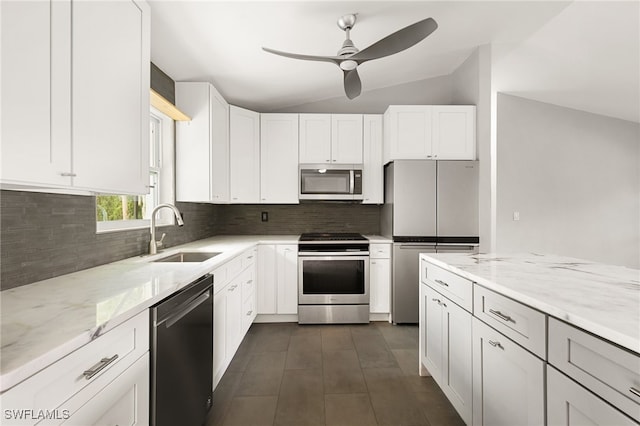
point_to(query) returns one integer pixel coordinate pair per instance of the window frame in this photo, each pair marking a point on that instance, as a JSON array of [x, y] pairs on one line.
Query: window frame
[[165, 170]]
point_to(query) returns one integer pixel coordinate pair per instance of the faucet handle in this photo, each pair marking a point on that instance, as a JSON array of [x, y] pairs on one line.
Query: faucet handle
[[159, 243]]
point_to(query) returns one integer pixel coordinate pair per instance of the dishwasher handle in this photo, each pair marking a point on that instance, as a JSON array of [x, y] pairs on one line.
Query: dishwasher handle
[[176, 316]]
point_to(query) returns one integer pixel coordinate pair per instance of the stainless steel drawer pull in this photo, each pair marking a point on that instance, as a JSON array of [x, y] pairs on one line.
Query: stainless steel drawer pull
[[68, 174], [249, 282], [437, 301], [634, 391], [249, 313], [98, 367], [250, 257], [442, 283], [495, 344], [502, 316]]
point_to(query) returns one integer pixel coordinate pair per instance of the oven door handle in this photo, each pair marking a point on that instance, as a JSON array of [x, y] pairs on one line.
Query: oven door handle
[[332, 253]]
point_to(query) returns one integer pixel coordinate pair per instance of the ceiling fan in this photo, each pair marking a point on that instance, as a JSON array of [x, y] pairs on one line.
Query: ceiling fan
[[349, 56]]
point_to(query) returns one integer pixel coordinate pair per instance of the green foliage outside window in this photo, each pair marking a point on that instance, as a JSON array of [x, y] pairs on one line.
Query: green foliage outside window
[[119, 207]]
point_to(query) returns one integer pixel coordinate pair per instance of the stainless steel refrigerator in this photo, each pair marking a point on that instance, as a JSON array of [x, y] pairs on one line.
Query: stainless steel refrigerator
[[429, 206]]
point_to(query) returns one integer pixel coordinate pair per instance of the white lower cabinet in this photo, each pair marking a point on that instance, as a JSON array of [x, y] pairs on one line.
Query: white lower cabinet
[[124, 401], [508, 381], [278, 271], [66, 393], [569, 404], [380, 278], [234, 310], [445, 348]]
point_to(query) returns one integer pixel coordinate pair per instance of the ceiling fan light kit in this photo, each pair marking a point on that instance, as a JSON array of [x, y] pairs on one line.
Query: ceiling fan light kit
[[349, 57]]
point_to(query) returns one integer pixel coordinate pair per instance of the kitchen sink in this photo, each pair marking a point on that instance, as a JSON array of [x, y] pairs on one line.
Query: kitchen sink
[[188, 256]]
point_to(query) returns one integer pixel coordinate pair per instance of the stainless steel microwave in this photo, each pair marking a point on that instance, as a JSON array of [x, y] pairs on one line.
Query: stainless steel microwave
[[330, 182]]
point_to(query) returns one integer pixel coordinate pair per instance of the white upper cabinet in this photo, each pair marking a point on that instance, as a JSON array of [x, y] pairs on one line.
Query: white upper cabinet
[[202, 144], [315, 138], [454, 132], [331, 138], [72, 84], [110, 96], [346, 138], [30, 153], [372, 178], [279, 158], [244, 155], [439, 132], [407, 131]]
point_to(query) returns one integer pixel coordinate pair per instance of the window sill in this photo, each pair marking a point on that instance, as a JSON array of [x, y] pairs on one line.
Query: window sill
[[127, 225]]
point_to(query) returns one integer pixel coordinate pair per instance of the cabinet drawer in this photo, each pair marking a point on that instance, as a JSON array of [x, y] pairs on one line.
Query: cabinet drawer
[[249, 257], [569, 404], [459, 290], [54, 385], [248, 313], [220, 278], [380, 251], [611, 372], [248, 283], [521, 323], [234, 266]]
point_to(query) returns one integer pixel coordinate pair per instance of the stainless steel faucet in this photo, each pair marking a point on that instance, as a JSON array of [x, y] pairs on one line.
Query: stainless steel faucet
[[153, 244]]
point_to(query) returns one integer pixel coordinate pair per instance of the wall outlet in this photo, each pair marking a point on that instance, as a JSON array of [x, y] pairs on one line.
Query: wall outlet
[[516, 215], [264, 216]]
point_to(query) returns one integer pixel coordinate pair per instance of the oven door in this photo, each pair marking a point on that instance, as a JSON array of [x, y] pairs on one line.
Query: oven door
[[333, 279]]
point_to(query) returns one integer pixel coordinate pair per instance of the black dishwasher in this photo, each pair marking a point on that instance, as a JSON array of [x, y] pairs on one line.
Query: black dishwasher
[[182, 356]]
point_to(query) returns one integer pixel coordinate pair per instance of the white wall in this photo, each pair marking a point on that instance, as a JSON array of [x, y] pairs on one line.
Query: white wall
[[574, 178], [472, 84], [431, 91]]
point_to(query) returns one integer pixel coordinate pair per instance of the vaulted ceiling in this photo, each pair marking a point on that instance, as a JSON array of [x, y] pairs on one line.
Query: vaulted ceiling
[[543, 41]]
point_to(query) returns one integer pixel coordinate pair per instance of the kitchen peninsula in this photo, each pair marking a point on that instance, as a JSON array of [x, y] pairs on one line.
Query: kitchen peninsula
[[539, 326]]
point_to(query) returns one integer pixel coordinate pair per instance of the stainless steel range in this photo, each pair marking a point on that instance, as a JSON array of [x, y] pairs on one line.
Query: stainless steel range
[[333, 277]]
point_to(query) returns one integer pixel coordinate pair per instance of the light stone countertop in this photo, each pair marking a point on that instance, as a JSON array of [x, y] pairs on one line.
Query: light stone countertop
[[601, 299], [45, 321], [378, 239]]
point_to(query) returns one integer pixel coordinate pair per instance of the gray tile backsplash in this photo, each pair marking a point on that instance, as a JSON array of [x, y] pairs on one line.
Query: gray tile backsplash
[[45, 235], [296, 219]]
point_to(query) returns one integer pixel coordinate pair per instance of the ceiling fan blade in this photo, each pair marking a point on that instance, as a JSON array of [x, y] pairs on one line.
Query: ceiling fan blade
[[397, 42], [332, 59], [352, 83]]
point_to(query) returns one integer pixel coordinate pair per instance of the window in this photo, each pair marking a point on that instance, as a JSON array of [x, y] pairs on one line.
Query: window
[[120, 212]]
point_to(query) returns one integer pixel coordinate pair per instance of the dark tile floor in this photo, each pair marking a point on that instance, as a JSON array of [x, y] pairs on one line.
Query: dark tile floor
[[290, 374]]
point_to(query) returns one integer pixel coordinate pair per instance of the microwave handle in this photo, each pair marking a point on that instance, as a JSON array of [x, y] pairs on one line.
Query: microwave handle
[[352, 181]]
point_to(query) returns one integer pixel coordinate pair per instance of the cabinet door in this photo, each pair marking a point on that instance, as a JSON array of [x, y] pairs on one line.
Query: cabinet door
[[287, 278], [372, 179], [454, 132], [457, 359], [219, 334], [219, 172], [569, 404], [233, 318], [380, 285], [110, 96], [124, 401], [36, 146], [279, 158], [193, 143], [267, 287], [346, 138], [508, 381], [244, 145], [432, 328], [315, 138], [409, 132]]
